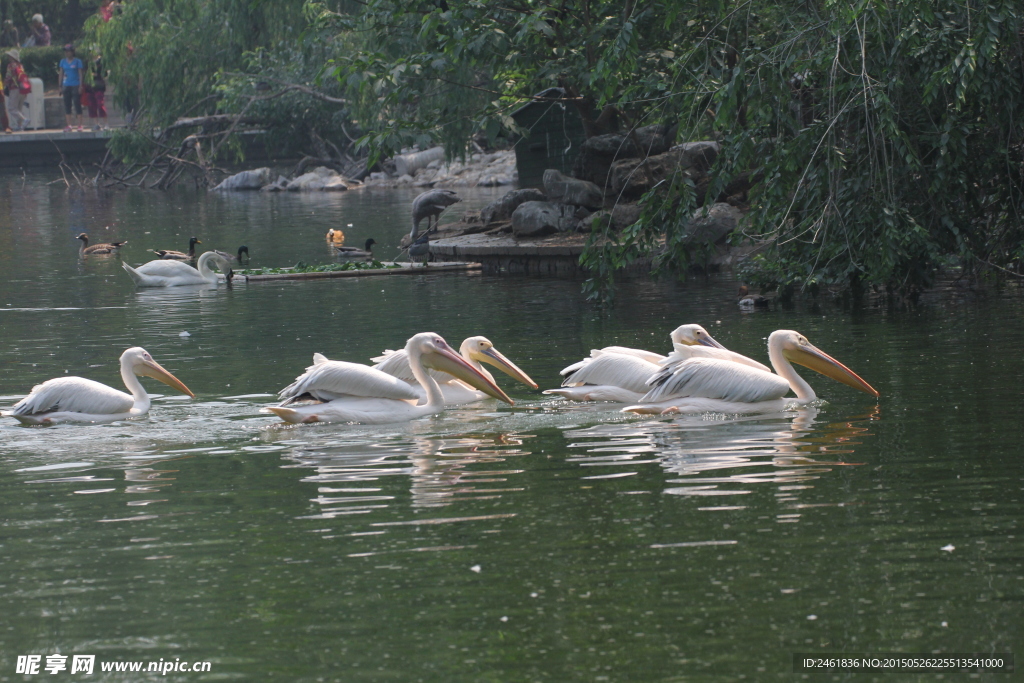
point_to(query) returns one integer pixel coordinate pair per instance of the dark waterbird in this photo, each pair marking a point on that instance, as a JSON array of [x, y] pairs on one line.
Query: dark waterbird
[[231, 257], [97, 249], [429, 204], [171, 255], [353, 252]]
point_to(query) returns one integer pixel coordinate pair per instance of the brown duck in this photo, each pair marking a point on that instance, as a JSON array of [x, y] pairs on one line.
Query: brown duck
[[98, 249]]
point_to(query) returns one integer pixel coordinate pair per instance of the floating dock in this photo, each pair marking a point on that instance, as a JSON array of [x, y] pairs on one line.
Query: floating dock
[[555, 254], [401, 269]]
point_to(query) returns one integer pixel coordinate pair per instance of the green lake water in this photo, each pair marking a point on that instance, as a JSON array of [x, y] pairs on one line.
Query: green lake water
[[546, 541]]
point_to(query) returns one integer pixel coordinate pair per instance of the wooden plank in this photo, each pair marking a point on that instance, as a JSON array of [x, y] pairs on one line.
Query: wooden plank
[[404, 269]]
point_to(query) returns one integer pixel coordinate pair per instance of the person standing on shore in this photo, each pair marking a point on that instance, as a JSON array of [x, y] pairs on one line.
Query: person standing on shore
[[9, 35], [17, 87], [97, 94], [71, 86], [40, 32]]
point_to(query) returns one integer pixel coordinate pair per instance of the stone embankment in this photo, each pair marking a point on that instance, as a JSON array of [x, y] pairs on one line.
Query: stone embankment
[[414, 169], [544, 230]]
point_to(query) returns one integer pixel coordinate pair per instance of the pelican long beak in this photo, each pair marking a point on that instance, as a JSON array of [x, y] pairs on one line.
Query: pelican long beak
[[494, 357], [710, 341], [455, 365], [819, 361], [154, 370]]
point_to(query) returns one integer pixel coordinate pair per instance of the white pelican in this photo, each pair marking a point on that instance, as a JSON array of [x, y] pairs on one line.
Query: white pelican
[[162, 273], [180, 255], [712, 385], [98, 249], [351, 392], [474, 350], [620, 374], [75, 399]]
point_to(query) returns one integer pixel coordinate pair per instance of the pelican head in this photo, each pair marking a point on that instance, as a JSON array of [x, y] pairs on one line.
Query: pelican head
[[796, 349], [138, 360], [692, 335], [433, 352], [482, 350]]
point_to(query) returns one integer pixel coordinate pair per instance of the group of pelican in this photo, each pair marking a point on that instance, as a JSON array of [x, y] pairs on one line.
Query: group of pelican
[[699, 375], [702, 376]]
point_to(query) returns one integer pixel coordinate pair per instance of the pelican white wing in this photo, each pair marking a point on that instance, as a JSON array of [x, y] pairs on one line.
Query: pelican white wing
[[716, 379], [648, 356], [73, 395], [327, 380], [613, 369], [683, 352]]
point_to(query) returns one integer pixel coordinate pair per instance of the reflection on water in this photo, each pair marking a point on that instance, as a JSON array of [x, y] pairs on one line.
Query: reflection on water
[[726, 455], [440, 472]]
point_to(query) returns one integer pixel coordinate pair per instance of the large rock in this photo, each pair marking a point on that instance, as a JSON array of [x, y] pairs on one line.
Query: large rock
[[408, 164], [597, 154], [307, 182], [534, 219], [719, 221], [633, 177], [653, 140], [566, 190], [501, 209], [625, 215], [317, 179], [246, 180]]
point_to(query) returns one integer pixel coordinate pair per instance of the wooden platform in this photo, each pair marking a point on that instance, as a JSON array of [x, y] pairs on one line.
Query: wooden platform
[[403, 269], [554, 254]]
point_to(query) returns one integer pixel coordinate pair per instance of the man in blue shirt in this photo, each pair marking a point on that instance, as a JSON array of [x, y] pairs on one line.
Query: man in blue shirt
[[71, 85]]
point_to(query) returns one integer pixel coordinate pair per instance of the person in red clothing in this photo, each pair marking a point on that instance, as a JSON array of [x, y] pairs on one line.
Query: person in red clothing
[[93, 95], [16, 87]]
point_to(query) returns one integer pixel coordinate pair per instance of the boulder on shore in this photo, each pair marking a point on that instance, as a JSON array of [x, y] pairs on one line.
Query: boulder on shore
[[246, 180], [501, 209], [535, 219], [713, 225], [597, 154], [565, 190], [633, 177]]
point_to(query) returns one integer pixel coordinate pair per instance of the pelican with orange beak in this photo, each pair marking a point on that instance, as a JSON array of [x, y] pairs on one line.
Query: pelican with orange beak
[[475, 350], [620, 374], [350, 392], [76, 399], [703, 385]]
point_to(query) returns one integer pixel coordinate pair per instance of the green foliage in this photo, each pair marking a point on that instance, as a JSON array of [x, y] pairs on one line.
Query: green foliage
[[444, 71], [887, 136], [165, 55], [301, 267]]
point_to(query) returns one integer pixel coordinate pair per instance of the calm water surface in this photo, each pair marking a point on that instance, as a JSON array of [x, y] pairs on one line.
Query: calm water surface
[[541, 542]]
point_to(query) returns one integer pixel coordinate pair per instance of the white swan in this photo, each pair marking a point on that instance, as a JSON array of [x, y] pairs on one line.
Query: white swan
[[713, 385], [161, 273], [350, 392], [75, 399], [620, 374], [475, 350]]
